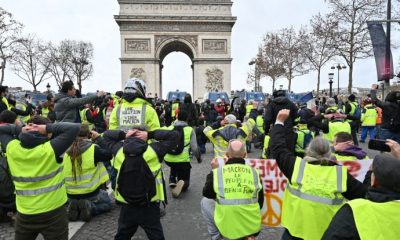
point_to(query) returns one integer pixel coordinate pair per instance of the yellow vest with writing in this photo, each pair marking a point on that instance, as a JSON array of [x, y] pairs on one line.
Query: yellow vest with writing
[[237, 212], [38, 178], [89, 179]]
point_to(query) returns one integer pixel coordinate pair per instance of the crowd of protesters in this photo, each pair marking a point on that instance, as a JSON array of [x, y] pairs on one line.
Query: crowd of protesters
[[64, 154]]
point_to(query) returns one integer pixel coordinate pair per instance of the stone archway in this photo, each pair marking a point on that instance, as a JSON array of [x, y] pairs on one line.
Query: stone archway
[[151, 29]]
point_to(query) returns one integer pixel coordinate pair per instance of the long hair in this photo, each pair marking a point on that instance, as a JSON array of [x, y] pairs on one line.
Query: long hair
[[74, 151]]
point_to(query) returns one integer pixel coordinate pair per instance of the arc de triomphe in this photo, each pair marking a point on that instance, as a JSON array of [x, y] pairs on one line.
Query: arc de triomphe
[[151, 29]]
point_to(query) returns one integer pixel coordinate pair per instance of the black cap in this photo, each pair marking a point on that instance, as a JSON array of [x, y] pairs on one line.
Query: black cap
[[352, 97]]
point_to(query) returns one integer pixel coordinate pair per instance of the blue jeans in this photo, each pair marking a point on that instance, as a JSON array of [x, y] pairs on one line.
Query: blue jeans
[[100, 203], [386, 134], [365, 130], [202, 148]]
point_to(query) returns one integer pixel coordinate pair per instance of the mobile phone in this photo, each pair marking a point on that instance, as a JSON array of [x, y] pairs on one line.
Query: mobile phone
[[379, 145]]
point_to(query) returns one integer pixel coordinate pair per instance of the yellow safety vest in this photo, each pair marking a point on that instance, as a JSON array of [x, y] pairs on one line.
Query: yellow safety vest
[[300, 140], [376, 221], [237, 212], [184, 156], [336, 127], [368, 119], [174, 107], [248, 109], [347, 158], [22, 107], [38, 178], [84, 118], [45, 112], [134, 114], [312, 198], [260, 123], [5, 101], [220, 144], [89, 179], [265, 147], [151, 158]]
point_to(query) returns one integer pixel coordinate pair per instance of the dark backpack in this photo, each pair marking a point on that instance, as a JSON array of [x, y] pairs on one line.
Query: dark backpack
[[136, 182], [357, 112], [180, 144], [308, 137], [7, 196]]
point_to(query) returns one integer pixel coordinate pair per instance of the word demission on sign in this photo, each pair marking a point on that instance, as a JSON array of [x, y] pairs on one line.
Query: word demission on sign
[[131, 116]]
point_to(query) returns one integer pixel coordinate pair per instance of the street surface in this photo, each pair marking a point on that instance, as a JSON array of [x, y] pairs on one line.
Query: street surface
[[183, 219]]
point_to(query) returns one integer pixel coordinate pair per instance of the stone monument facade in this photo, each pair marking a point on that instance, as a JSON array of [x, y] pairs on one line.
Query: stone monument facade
[[151, 29]]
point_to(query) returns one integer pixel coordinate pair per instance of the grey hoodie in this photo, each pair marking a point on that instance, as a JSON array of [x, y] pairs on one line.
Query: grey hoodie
[[193, 139], [66, 107]]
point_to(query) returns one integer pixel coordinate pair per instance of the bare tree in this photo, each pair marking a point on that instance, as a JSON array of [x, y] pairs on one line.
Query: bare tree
[[29, 61], [269, 61], [319, 42], [352, 32], [60, 58], [81, 62], [292, 53], [10, 30]]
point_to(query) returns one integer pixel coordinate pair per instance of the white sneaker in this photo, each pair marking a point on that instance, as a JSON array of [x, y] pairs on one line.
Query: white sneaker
[[178, 189]]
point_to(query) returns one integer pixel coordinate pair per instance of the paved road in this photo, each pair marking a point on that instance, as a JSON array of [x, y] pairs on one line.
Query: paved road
[[183, 219]]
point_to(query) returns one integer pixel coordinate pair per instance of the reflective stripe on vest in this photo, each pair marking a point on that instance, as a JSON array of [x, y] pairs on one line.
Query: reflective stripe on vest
[[89, 176], [221, 200], [131, 119], [184, 156], [237, 212], [336, 127], [38, 178], [312, 197], [151, 158]]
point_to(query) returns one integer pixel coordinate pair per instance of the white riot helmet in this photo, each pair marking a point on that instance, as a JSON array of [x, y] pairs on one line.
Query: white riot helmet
[[135, 86]]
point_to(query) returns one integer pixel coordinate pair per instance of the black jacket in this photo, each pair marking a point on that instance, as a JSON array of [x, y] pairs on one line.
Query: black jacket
[[208, 189], [343, 225], [389, 108], [286, 161], [274, 107]]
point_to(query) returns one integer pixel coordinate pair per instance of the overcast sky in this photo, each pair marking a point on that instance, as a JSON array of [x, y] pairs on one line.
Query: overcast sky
[[92, 20]]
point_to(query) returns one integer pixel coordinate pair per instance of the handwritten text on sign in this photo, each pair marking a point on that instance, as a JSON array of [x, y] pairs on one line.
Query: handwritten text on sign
[[274, 183]]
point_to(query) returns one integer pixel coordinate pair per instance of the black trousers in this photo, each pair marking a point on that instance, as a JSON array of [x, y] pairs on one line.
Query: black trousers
[[180, 171], [52, 225], [148, 218]]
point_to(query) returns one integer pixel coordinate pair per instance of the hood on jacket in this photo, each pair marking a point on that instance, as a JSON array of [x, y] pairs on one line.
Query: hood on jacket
[[134, 146], [230, 132], [281, 100], [32, 139], [353, 151], [187, 99], [83, 146], [180, 124]]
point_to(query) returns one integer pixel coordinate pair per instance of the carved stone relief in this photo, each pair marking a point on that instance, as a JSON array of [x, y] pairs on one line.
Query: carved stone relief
[[175, 27], [192, 39], [214, 45], [215, 79], [165, 9], [138, 73], [137, 45]]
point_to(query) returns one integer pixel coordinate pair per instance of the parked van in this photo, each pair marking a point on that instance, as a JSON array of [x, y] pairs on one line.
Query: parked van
[[214, 96]]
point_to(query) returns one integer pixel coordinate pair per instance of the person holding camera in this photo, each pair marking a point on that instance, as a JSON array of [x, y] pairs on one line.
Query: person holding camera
[[390, 127], [377, 216]]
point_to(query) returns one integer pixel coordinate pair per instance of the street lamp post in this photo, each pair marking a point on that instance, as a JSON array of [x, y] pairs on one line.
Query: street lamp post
[[48, 87], [338, 67], [256, 80], [330, 83]]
